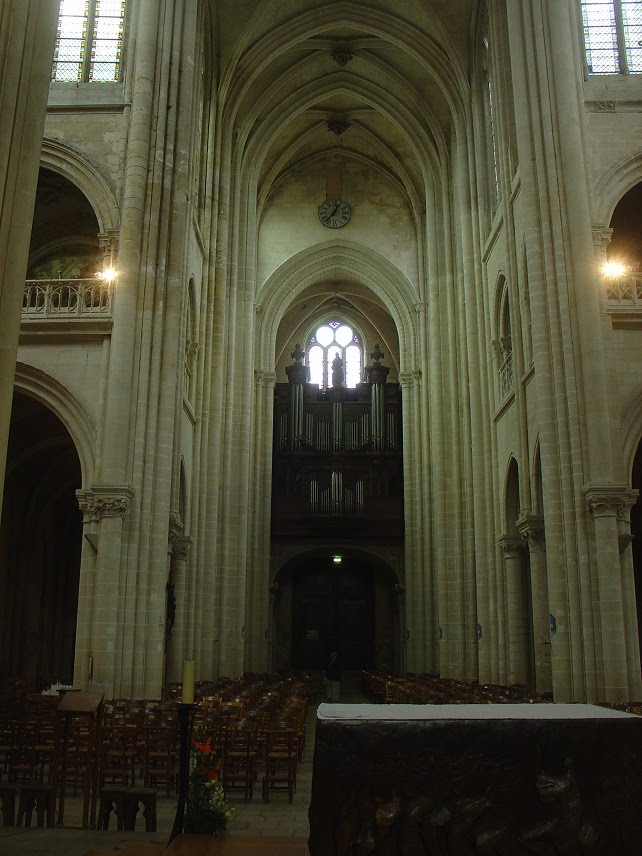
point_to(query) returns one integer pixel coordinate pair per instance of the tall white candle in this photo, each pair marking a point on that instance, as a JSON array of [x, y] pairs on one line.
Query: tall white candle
[[187, 696]]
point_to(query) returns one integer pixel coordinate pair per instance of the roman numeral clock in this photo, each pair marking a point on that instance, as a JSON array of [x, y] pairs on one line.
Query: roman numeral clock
[[334, 213]]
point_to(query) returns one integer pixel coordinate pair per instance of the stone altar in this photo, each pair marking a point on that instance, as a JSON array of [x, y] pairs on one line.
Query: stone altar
[[409, 780]]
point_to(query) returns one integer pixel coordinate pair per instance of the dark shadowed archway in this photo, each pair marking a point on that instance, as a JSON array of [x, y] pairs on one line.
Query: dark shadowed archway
[[40, 544]]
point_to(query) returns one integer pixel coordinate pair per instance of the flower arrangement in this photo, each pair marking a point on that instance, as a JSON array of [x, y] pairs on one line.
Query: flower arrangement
[[207, 809]]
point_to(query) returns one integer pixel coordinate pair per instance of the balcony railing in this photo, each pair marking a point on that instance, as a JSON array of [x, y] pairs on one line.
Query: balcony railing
[[625, 291], [49, 299]]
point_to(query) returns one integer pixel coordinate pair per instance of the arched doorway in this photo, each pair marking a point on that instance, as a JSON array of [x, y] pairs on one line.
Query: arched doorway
[[343, 600], [40, 544]]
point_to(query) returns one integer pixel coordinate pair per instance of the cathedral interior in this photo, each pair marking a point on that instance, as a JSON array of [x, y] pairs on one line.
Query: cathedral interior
[[321, 329]]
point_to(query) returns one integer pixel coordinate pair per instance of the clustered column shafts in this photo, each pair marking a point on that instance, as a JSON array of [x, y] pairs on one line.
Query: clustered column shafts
[[27, 35]]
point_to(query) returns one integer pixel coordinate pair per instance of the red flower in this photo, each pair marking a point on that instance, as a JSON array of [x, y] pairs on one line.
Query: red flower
[[204, 748], [213, 775]]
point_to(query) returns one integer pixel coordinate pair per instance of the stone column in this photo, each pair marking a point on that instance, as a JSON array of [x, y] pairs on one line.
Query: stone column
[[176, 637], [620, 647], [518, 643], [625, 538], [531, 528], [104, 509], [418, 618], [27, 35], [258, 611]]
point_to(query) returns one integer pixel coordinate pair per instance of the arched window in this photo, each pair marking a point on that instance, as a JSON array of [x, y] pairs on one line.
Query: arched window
[[490, 110], [335, 338], [612, 36], [89, 41]]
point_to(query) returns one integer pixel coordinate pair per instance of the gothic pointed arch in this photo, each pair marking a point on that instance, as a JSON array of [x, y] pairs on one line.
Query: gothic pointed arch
[[614, 182], [50, 392], [87, 176], [325, 263]]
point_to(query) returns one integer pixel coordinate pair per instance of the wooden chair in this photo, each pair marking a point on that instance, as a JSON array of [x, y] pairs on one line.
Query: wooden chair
[[281, 755], [118, 754], [161, 757], [239, 755]]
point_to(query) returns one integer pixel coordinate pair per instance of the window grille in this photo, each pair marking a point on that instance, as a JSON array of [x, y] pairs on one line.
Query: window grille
[[612, 36], [329, 341], [89, 41]]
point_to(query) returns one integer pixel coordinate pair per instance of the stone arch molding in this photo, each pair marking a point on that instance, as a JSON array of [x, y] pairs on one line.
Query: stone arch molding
[[87, 177], [612, 186], [324, 262], [386, 556], [57, 398], [631, 420]]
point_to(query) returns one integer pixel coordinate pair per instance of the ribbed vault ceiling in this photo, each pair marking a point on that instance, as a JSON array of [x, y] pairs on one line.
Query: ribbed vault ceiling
[[401, 95]]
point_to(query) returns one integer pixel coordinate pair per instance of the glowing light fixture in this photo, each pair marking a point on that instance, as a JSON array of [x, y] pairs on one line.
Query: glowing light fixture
[[615, 269], [109, 274], [336, 560]]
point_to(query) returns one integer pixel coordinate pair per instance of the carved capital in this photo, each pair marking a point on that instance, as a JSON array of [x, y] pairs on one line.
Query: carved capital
[[531, 528], [104, 501], [266, 379], [511, 546], [181, 546], [611, 500], [409, 379], [108, 243]]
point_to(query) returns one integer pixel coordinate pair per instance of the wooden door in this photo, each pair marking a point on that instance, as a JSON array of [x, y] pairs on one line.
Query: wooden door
[[333, 609]]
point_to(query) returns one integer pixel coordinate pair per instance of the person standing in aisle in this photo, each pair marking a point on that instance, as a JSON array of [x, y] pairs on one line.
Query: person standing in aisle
[[333, 677]]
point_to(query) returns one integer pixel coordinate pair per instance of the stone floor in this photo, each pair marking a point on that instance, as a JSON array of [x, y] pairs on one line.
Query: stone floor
[[276, 818]]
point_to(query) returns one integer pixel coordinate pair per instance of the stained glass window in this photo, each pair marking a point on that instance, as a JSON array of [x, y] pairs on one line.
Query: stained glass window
[[612, 36], [329, 341], [89, 41]]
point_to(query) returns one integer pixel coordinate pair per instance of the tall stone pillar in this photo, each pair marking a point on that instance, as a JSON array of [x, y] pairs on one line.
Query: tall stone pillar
[[620, 648], [518, 642], [176, 636], [419, 620], [258, 609], [104, 509], [531, 528], [27, 35], [625, 538]]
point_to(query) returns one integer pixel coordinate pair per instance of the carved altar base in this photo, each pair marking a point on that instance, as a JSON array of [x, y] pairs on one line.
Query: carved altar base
[[510, 779]]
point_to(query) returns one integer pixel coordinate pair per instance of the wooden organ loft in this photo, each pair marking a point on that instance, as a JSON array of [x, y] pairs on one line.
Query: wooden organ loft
[[338, 466]]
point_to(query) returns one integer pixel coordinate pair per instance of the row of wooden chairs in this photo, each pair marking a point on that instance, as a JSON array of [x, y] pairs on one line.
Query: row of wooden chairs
[[431, 689]]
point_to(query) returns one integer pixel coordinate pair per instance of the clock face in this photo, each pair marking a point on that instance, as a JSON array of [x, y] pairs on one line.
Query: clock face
[[334, 213]]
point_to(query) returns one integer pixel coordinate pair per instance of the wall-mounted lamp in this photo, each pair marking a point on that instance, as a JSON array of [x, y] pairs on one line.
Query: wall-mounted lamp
[[337, 560], [615, 269], [109, 274]]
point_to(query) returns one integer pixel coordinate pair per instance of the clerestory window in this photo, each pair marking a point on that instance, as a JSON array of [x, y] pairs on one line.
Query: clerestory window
[[612, 36], [89, 41], [331, 340]]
